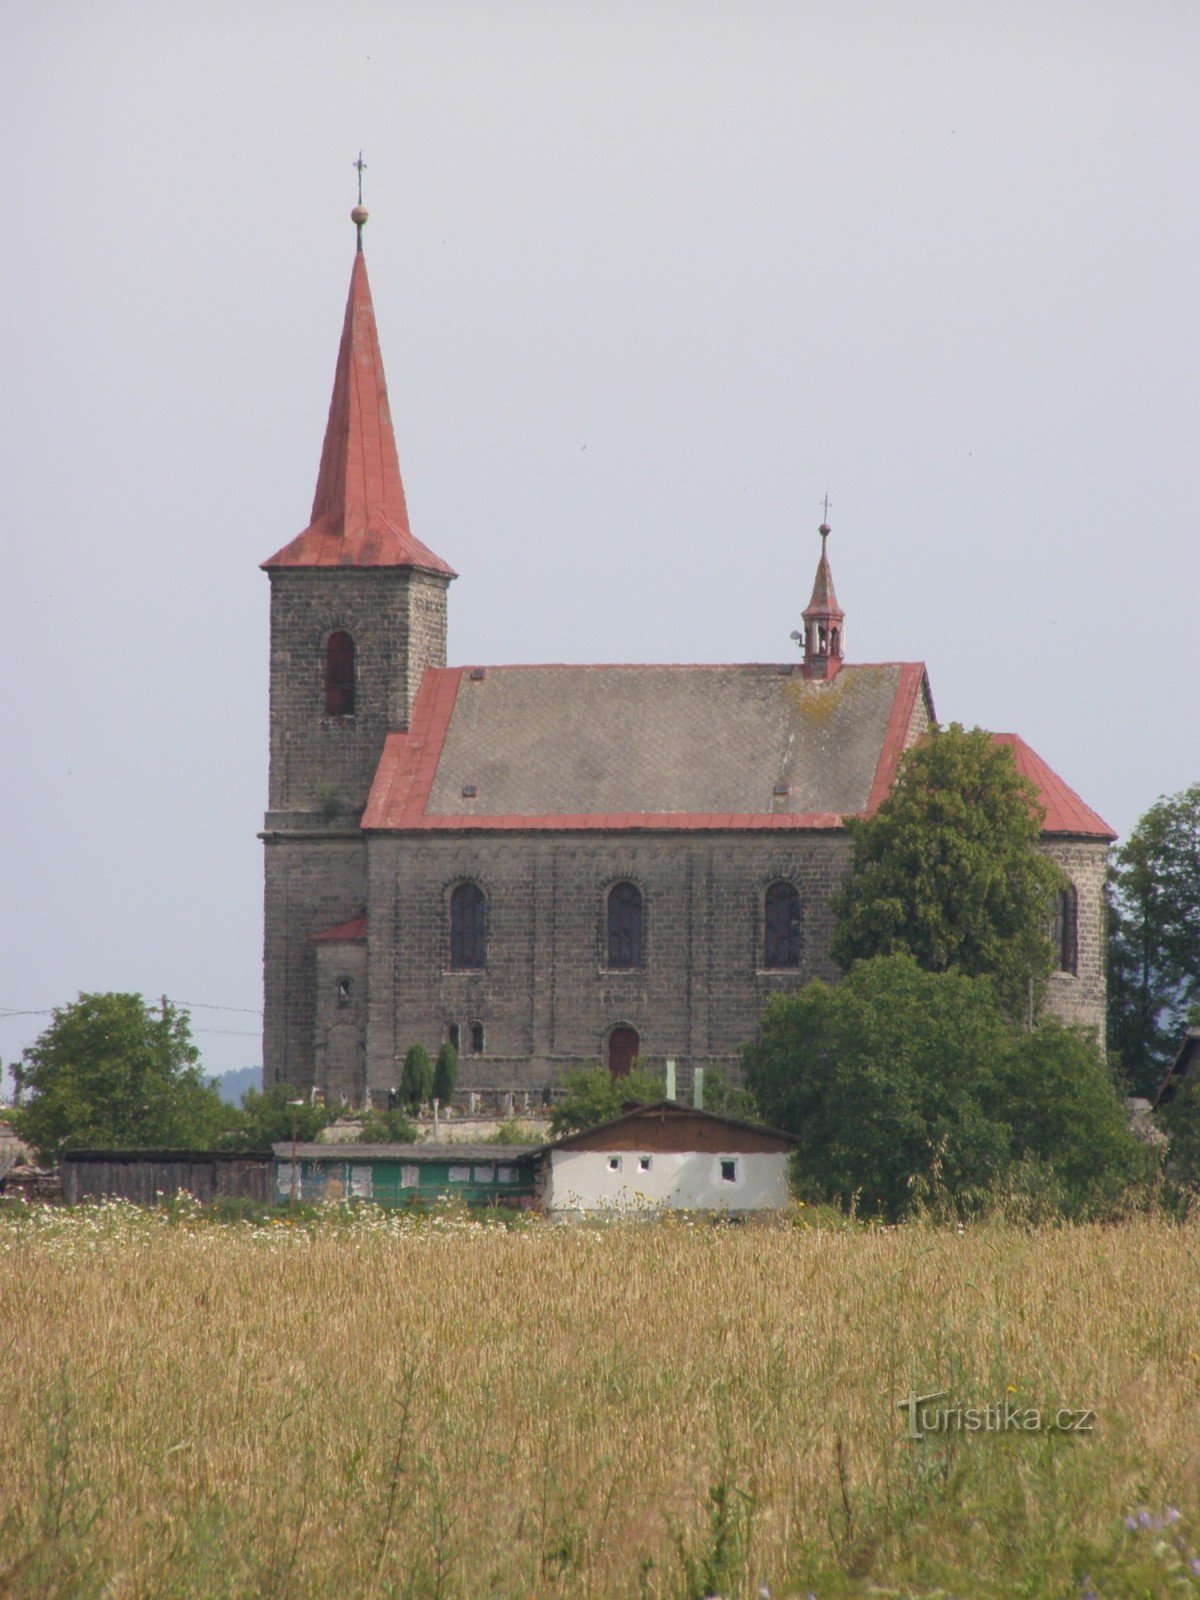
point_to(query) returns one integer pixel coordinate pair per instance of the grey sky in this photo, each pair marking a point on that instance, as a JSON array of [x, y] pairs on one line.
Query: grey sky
[[650, 279]]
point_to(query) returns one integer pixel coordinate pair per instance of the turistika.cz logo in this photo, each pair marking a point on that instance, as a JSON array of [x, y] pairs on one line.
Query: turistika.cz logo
[[1002, 1416]]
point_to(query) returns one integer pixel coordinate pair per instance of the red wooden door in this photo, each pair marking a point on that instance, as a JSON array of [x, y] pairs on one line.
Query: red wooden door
[[622, 1047]]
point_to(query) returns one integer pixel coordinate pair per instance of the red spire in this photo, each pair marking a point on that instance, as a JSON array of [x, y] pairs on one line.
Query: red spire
[[823, 619], [359, 516]]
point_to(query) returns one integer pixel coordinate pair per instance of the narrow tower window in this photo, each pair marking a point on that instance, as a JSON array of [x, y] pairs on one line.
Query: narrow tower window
[[477, 1038], [468, 927], [781, 943], [339, 675], [625, 926], [1065, 932]]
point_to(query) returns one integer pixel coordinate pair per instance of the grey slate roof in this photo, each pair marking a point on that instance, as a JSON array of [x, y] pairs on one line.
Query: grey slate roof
[[562, 739]]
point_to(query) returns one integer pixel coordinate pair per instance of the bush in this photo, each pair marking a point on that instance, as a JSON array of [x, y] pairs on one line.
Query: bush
[[445, 1074], [386, 1127], [593, 1095], [416, 1078]]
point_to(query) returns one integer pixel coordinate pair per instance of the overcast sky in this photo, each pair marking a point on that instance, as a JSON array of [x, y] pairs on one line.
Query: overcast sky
[[651, 279]]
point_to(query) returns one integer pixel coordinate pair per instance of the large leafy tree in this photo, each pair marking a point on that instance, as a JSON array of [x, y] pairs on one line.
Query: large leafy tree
[[897, 1081], [1154, 938], [112, 1072], [949, 870]]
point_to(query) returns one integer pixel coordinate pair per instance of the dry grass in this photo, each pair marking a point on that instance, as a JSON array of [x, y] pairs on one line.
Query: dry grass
[[380, 1407]]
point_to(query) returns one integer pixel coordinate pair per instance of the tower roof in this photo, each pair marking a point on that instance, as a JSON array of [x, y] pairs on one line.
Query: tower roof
[[824, 601], [359, 515]]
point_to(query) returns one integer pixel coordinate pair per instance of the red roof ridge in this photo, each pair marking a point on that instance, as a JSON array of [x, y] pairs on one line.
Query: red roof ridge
[[359, 513], [1066, 813], [675, 666], [912, 681]]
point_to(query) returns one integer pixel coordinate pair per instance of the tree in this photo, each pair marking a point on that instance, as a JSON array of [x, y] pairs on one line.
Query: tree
[[1154, 938], [1180, 1121], [416, 1078], [593, 1095], [949, 871], [111, 1073], [445, 1074], [386, 1127], [899, 1079], [266, 1118]]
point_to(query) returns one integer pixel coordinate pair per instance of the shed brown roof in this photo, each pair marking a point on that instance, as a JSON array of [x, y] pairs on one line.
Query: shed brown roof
[[624, 747], [667, 1125]]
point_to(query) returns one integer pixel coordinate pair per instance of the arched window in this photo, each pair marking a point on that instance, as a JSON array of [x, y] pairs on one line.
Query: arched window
[[453, 1034], [781, 942], [1064, 935], [339, 675], [468, 927], [625, 926], [622, 1050], [477, 1038]]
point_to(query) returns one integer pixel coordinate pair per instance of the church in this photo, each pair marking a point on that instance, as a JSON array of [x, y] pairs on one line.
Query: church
[[551, 866]]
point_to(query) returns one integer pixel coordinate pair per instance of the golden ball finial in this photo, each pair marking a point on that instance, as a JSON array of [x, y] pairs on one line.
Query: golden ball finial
[[359, 215]]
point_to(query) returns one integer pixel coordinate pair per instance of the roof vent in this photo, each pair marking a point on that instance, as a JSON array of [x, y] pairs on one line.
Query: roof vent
[[478, 674], [781, 789], [470, 790]]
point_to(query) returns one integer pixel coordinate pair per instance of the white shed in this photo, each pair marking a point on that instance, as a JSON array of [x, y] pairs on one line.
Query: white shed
[[668, 1156]]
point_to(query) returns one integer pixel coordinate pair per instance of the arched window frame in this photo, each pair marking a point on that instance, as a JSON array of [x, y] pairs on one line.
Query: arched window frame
[[625, 927], [340, 674], [1065, 932], [468, 927], [781, 926]]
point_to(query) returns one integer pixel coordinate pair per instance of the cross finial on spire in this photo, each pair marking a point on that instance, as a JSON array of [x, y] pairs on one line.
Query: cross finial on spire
[[360, 214], [824, 528]]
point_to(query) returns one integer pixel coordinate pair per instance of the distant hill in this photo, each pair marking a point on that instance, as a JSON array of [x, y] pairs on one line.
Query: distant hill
[[232, 1085]]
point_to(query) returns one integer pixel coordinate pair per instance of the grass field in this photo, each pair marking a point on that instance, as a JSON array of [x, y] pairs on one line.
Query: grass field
[[376, 1406]]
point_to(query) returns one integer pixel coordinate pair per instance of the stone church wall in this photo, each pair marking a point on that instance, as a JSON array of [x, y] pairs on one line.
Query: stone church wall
[[312, 883], [1079, 997], [546, 1000], [397, 620]]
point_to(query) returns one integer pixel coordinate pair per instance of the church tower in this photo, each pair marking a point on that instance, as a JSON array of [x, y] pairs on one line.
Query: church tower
[[358, 611], [823, 619]]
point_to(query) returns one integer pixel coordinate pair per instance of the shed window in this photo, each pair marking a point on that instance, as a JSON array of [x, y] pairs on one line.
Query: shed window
[[339, 675], [1065, 936], [728, 1171], [625, 926], [781, 942], [460, 1175], [468, 927]]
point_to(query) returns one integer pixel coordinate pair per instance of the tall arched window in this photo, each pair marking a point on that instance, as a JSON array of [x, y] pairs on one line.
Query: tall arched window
[[625, 926], [781, 941], [339, 675], [468, 926], [1064, 934]]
